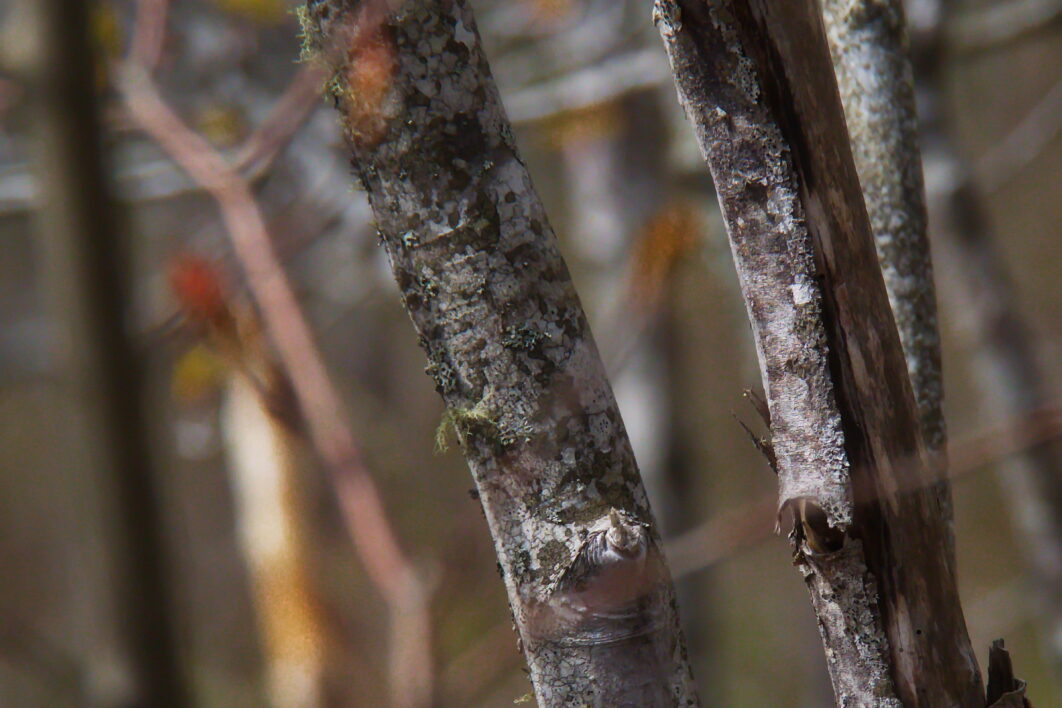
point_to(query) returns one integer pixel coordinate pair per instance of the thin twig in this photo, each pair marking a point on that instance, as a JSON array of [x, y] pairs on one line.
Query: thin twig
[[722, 536], [295, 106], [994, 24], [149, 33], [329, 430]]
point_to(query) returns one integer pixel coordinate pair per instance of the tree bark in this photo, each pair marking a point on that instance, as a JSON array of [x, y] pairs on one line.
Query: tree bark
[[868, 41], [872, 540], [89, 288], [509, 350]]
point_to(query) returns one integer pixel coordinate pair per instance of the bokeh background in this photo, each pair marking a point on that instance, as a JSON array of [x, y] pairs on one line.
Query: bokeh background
[[586, 83]]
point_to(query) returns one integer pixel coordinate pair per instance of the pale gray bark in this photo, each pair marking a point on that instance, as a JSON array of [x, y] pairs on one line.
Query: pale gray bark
[[975, 285], [509, 351], [88, 288], [757, 84], [869, 46]]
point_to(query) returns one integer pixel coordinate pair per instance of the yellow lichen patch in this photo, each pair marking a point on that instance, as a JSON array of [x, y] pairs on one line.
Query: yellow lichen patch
[[266, 12], [668, 236], [222, 124], [196, 375]]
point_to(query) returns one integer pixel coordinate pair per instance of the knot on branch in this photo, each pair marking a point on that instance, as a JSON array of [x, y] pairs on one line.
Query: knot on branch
[[602, 595]]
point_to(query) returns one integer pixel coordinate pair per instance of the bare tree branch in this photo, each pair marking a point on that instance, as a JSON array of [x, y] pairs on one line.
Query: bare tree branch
[[868, 43], [396, 579], [986, 26], [975, 285], [1032, 134], [510, 351], [757, 83]]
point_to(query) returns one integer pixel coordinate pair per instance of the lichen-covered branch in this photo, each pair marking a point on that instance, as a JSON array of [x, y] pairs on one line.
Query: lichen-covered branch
[[509, 350], [869, 46], [757, 84]]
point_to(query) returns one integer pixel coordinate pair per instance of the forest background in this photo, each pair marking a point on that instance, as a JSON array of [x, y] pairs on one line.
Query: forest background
[[587, 85]]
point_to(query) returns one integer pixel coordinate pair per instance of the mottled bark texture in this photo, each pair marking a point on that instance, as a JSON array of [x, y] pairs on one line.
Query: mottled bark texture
[[756, 80], [509, 350], [868, 41]]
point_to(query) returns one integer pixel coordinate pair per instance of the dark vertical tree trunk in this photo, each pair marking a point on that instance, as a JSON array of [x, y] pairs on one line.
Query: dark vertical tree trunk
[[509, 350], [89, 290], [975, 285], [871, 537]]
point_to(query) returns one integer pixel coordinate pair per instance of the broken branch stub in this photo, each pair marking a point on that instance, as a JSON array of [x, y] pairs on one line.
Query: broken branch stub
[[757, 84], [509, 350]]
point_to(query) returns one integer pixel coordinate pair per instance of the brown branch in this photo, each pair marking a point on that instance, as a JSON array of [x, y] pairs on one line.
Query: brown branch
[[758, 86], [295, 106], [327, 422]]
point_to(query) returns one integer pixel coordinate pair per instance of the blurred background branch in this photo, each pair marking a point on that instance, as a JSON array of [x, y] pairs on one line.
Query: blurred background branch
[[587, 86]]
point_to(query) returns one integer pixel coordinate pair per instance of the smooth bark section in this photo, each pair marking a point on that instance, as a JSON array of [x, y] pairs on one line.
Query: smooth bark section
[[509, 350], [868, 41], [757, 83], [89, 288]]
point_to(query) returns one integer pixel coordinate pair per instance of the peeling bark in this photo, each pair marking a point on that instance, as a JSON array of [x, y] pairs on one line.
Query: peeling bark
[[509, 350], [872, 540]]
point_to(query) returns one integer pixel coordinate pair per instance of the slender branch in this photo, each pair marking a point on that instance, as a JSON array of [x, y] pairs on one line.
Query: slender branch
[[295, 106], [721, 537], [327, 422], [757, 84], [986, 26], [509, 350], [149, 33], [593, 85], [868, 43]]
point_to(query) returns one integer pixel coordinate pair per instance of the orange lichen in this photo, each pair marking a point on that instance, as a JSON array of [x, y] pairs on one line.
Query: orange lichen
[[369, 71]]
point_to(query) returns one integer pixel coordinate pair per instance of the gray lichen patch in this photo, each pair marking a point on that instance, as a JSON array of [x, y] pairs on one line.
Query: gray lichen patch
[[507, 342]]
